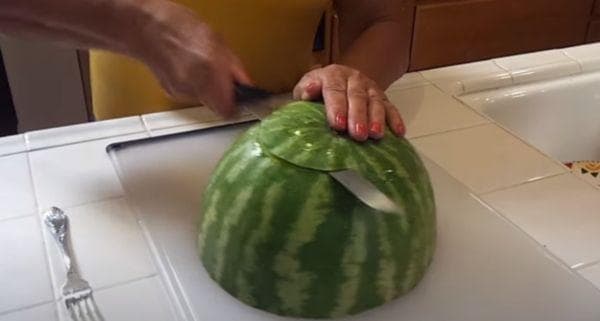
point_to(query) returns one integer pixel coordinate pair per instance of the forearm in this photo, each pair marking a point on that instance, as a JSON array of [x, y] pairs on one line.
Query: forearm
[[104, 24], [380, 52], [375, 37]]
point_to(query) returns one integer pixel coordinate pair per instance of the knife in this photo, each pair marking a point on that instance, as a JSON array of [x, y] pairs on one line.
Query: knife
[[261, 103]]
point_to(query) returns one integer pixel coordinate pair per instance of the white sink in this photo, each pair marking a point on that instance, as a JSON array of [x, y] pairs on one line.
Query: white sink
[[559, 117]]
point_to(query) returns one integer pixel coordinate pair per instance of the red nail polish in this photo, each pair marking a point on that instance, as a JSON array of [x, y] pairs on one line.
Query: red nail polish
[[375, 128], [361, 129], [341, 121], [400, 130]]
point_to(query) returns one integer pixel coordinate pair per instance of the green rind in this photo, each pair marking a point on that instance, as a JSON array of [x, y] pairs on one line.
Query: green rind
[[287, 252]]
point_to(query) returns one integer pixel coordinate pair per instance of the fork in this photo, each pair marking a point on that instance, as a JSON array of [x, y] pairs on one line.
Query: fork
[[76, 292]]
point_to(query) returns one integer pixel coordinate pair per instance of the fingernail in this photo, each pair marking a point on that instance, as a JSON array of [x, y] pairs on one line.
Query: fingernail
[[361, 129], [311, 86], [341, 121], [400, 130], [375, 128]]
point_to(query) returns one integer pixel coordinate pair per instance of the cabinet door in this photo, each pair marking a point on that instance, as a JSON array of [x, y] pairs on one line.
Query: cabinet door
[[45, 82], [450, 32]]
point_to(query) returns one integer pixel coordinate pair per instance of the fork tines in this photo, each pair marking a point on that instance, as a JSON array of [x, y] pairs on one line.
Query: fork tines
[[83, 307]]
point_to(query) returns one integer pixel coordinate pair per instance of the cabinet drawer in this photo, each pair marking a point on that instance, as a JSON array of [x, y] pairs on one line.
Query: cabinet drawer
[[597, 8], [451, 32]]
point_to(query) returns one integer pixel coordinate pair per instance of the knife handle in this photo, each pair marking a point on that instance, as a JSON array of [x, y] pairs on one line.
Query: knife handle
[[246, 94]]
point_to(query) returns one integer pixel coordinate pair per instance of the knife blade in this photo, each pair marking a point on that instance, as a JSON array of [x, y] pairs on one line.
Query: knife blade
[[257, 101], [261, 103]]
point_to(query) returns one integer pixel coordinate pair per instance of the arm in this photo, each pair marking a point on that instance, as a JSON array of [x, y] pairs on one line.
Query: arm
[[107, 24], [189, 60], [375, 38], [381, 29]]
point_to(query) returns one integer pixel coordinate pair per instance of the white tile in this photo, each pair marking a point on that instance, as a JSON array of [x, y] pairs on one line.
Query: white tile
[[108, 243], [486, 82], [550, 71], [588, 56], [486, 157], [538, 66], [24, 277], [76, 174], [409, 80], [198, 126], [450, 79], [46, 312], [592, 273], [523, 61], [16, 191], [428, 110], [560, 212], [83, 132], [140, 300], [12, 144]]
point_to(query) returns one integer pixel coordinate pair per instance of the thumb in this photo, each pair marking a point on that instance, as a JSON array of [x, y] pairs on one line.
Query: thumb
[[309, 88]]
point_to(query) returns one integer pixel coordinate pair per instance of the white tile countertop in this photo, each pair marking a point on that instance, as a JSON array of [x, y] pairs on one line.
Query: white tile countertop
[[69, 167]]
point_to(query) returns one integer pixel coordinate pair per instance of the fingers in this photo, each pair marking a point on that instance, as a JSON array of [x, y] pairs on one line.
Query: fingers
[[353, 102], [239, 72], [358, 101], [219, 96], [394, 119], [336, 101], [377, 114]]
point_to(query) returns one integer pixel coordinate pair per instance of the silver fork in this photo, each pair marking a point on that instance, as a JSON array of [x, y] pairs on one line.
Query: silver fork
[[77, 293]]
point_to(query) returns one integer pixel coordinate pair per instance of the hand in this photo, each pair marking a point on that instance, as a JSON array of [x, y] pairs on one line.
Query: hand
[[353, 101], [191, 62]]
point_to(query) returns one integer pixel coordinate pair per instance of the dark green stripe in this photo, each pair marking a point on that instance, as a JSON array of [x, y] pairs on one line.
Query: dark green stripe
[[248, 222], [367, 296], [209, 255], [323, 257], [299, 183]]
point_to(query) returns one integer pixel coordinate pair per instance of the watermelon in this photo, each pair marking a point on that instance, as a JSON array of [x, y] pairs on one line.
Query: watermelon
[[281, 235]]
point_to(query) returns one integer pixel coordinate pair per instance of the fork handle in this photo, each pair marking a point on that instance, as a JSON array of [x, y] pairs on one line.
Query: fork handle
[[62, 235]]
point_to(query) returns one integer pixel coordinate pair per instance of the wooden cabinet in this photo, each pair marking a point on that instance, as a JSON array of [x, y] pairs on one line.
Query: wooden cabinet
[[593, 34], [448, 32]]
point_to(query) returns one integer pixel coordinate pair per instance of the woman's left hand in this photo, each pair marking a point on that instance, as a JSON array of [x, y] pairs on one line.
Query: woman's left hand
[[353, 101]]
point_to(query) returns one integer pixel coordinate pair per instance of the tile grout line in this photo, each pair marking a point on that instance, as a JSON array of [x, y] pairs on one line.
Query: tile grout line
[[122, 283], [582, 266], [26, 307], [49, 268], [515, 185], [145, 125], [406, 87], [566, 54], [209, 123], [449, 131], [83, 141], [16, 217], [92, 202], [15, 151]]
